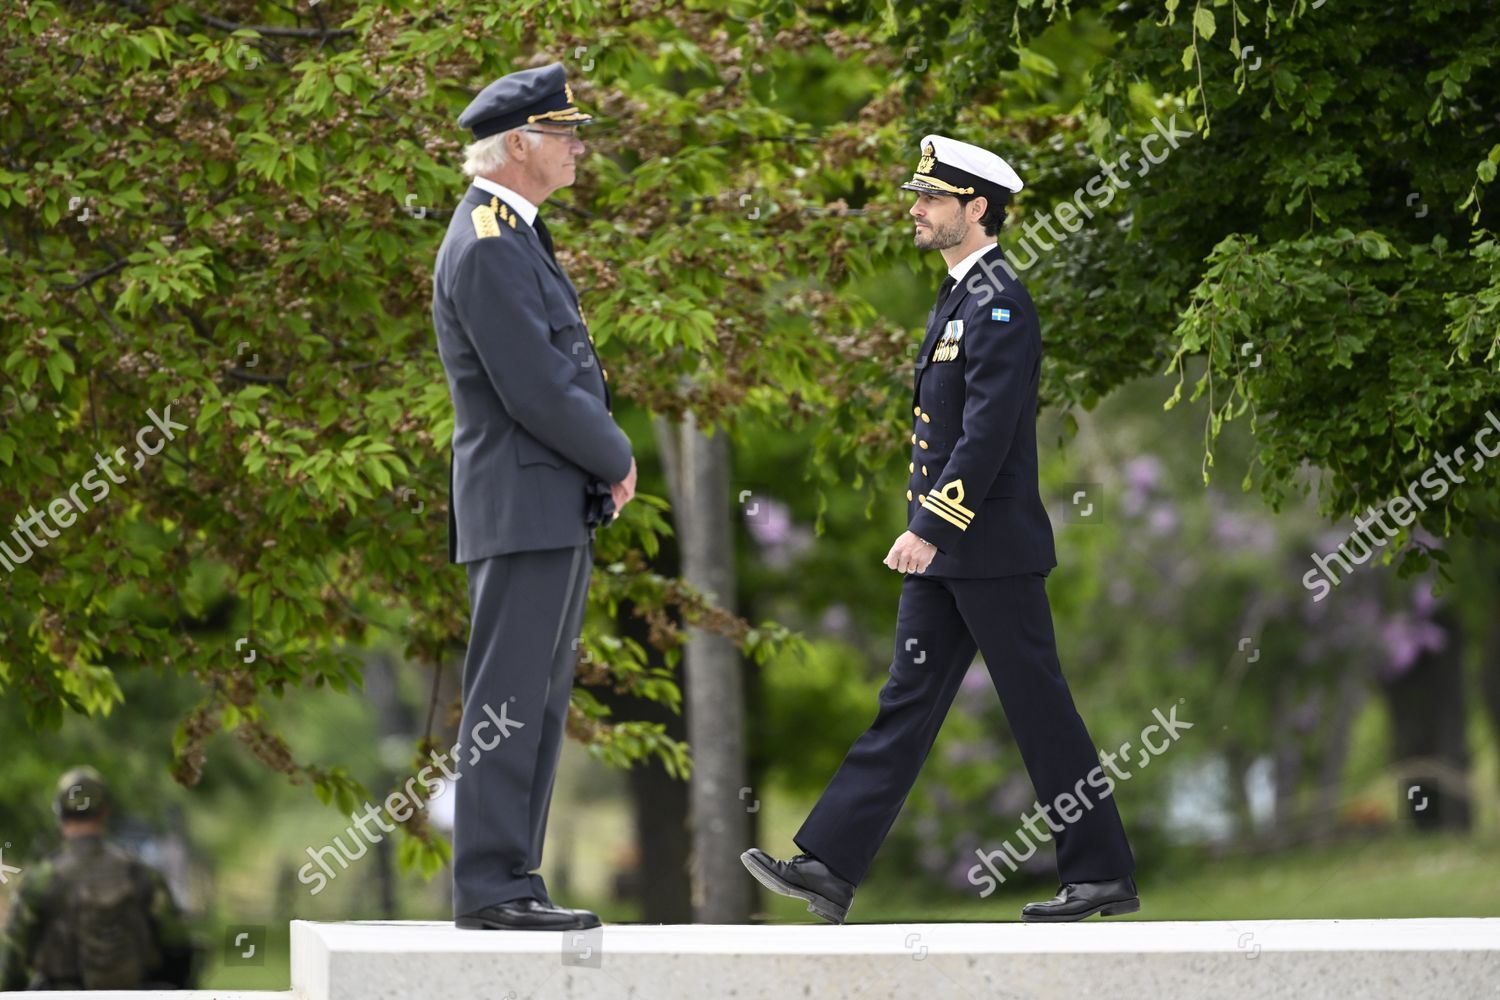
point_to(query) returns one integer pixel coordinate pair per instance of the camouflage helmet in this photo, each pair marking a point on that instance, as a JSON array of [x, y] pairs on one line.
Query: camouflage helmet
[[81, 794]]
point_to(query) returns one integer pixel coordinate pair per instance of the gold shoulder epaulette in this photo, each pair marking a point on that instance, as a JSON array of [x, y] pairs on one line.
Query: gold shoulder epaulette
[[485, 223]]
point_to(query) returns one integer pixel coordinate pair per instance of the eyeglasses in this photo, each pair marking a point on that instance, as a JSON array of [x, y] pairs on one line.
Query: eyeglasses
[[569, 134]]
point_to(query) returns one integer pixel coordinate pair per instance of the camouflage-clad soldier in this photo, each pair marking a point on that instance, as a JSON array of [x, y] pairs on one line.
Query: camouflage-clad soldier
[[91, 915]]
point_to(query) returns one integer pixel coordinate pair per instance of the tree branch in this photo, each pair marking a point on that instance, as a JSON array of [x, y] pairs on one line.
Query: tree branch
[[93, 276], [274, 29]]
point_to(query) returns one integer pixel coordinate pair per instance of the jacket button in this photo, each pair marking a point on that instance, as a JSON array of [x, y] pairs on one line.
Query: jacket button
[[913, 439], [926, 419], [917, 410], [908, 494], [924, 470], [912, 467], [923, 444]]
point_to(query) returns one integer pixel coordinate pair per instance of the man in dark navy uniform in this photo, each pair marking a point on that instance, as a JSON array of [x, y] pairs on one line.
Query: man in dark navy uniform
[[977, 549], [538, 461]]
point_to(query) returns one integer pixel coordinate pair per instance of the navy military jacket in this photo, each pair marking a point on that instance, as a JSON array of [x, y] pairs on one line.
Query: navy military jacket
[[531, 417], [973, 490]]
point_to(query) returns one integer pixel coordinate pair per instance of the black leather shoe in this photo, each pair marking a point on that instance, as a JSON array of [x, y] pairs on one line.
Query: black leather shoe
[[1077, 900], [806, 878], [526, 915]]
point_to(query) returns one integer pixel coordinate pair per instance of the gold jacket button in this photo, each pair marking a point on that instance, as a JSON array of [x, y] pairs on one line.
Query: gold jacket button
[[917, 410], [926, 419], [908, 494], [911, 466], [923, 444], [924, 470], [913, 439]]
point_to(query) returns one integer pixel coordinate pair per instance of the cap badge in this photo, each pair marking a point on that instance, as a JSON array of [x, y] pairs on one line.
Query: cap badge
[[928, 160]]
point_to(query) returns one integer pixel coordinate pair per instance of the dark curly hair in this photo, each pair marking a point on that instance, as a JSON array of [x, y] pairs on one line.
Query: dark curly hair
[[994, 212]]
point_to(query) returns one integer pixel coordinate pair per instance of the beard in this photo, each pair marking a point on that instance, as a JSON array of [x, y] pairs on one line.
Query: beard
[[941, 237]]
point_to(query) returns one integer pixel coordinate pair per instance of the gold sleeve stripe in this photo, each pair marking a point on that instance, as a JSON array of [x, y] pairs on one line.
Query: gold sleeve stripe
[[936, 500], [953, 493], [942, 512]]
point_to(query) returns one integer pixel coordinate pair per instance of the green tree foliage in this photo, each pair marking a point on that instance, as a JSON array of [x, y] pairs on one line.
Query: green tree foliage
[[225, 219], [1322, 242]]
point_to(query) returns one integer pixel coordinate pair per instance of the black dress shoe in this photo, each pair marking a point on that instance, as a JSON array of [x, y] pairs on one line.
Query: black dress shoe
[[1077, 900], [803, 877], [526, 915]]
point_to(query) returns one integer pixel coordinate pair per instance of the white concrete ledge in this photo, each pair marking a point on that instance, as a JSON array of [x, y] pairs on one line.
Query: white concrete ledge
[[1226, 960], [145, 994]]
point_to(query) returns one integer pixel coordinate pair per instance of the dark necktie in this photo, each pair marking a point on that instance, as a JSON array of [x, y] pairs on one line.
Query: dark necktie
[[945, 288], [545, 237]]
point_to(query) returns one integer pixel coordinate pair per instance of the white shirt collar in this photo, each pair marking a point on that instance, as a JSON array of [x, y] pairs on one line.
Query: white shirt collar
[[964, 266], [525, 209]]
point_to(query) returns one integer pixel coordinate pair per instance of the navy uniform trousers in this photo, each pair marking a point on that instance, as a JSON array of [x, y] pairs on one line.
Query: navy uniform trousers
[[940, 625], [527, 612]]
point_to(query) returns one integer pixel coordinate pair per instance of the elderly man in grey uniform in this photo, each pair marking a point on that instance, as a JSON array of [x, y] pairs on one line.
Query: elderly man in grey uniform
[[537, 462]]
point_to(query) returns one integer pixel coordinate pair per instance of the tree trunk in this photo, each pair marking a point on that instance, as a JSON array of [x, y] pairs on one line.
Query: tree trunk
[[1349, 697], [661, 883], [1286, 759], [714, 692], [1429, 748], [1489, 664]]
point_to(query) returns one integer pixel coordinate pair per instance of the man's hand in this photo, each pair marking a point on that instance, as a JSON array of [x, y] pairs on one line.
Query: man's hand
[[910, 554], [624, 490]]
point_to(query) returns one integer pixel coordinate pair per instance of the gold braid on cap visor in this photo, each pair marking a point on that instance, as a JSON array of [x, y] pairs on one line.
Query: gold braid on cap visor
[[568, 114], [565, 115], [941, 185]]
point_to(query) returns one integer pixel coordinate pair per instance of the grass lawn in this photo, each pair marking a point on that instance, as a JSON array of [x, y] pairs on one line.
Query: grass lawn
[[1391, 876]]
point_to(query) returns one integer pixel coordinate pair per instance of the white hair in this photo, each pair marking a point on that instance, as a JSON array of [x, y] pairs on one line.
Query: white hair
[[489, 154]]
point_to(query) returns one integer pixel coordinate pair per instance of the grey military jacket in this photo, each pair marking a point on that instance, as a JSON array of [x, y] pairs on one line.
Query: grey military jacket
[[531, 416]]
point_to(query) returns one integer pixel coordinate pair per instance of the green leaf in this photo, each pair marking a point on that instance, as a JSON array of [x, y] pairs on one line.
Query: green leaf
[[1203, 22]]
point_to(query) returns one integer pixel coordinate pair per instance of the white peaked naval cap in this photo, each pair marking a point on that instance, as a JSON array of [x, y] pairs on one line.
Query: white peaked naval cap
[[949, 166]]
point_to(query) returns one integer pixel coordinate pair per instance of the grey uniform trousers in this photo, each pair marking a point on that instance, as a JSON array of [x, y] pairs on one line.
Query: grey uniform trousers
[[526, 610]]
